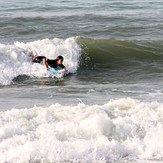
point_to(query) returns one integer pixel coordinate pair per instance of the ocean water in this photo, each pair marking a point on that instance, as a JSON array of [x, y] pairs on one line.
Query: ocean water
[[108, 108]]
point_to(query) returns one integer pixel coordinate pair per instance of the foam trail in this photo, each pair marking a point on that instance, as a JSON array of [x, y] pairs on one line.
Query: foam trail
[[120, 130], [16, 59]]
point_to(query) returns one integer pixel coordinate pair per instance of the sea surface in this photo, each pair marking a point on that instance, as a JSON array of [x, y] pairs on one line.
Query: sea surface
[[108, 108]]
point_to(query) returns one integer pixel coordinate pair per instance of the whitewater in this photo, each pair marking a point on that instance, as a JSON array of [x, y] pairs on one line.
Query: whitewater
[[119, 130], [16, 59]]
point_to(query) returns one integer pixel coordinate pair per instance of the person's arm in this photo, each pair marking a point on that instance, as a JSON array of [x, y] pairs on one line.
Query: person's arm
[[45, 63]]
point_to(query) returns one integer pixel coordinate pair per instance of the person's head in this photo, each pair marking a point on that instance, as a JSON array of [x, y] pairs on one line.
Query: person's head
[[59, 60]]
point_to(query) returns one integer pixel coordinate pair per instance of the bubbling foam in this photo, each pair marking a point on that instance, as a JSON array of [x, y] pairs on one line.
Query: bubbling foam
[[16, 59], [119, 130]]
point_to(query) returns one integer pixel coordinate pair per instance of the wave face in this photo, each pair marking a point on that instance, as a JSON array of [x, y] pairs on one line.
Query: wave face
[[16, 59], [121, 56], [119, 130]]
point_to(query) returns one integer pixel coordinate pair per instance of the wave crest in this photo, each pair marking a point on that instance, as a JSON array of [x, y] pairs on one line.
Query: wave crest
[[16, 59]]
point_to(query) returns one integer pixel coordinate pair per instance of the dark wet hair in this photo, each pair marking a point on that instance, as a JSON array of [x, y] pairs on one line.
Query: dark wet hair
[[59, 57]]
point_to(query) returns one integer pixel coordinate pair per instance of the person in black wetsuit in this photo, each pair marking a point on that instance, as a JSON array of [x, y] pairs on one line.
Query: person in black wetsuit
[[52, 63]]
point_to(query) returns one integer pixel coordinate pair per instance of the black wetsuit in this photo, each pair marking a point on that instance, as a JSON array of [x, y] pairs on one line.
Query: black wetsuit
[[53, 64], [50, 62]]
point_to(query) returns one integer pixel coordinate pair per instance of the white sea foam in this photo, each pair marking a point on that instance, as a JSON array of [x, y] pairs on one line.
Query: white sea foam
[[16, 59], [119, 130]]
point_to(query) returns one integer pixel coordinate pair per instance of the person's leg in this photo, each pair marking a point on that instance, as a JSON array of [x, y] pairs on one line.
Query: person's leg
[[38, 59]]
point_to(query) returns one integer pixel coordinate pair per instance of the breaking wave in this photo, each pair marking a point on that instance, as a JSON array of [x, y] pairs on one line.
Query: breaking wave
[[120, 130]]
